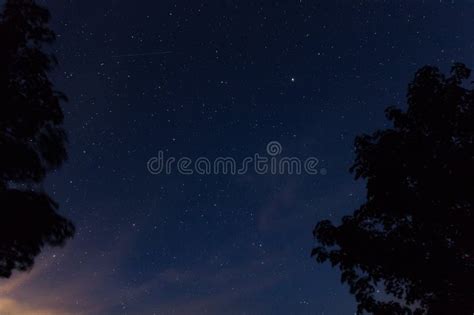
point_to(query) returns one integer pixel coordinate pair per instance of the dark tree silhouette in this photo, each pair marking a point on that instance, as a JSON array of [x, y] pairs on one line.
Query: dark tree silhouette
[[32, 141], [413, 238]]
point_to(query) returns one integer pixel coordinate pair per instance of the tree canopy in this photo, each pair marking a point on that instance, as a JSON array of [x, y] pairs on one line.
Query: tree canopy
[[409, 248], [32, 139]]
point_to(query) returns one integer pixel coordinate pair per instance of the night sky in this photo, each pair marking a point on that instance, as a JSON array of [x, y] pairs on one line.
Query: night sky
[[209, 79]]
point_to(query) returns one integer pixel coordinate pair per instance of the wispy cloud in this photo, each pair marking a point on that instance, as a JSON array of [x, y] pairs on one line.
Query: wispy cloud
[[95, 287], [13, 307]]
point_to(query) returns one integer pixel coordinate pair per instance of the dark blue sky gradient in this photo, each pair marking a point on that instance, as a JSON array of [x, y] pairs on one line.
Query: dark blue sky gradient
[[174, 244]]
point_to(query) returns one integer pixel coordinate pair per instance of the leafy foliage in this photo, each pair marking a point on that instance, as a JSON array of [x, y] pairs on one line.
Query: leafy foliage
[[413, 238], [32, 140]]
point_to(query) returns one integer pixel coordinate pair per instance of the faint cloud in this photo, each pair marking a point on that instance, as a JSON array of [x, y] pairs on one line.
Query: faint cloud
[[12, 307]]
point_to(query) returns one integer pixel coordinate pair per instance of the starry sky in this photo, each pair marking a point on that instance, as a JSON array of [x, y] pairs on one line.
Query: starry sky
[[219, 78]]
